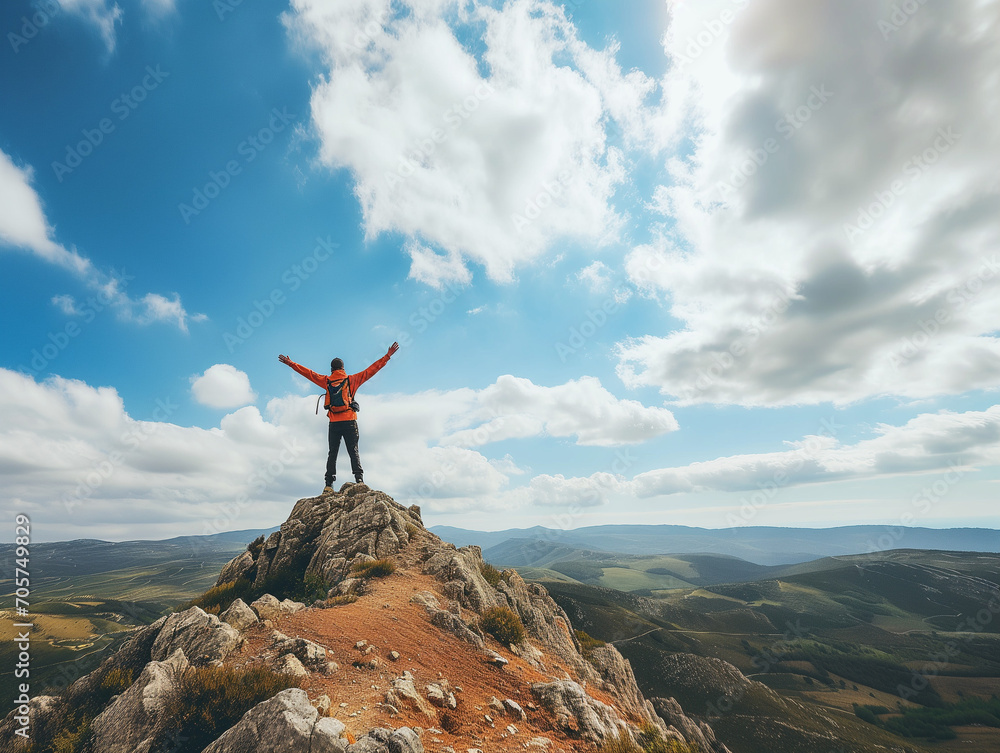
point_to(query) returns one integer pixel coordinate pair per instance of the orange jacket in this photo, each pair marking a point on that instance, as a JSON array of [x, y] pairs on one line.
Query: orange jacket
[[354, 381]]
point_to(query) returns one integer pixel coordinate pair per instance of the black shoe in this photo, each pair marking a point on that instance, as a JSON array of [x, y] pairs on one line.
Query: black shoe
[[359, 479]]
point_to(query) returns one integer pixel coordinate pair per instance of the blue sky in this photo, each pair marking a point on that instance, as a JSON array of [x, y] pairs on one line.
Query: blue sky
[[781, 255]]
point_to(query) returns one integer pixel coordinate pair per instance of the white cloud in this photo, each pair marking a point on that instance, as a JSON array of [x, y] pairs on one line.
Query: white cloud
[[596, 276], [73, 458], [799, 140], [490, 157], [23, 225], [223, 386], [102, 14], [436, 270], [928, 443], [514, 407]]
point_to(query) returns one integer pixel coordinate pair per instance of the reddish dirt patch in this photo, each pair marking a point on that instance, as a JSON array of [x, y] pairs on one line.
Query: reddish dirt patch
[[388, 621]]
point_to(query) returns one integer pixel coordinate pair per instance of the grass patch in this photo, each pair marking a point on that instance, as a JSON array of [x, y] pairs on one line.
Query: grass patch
[[650, 741], [588, 642], [490, 573], [374, 568], [339, 601], [503, 624], [219, 598], [411, 530], [211, 700], [71, 732]]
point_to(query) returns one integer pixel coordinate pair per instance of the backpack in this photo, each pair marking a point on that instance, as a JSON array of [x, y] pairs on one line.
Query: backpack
[[338, 397]]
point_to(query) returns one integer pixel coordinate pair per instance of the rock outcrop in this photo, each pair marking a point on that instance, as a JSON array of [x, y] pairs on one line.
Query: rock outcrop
[[577, 712], [286, 723], [131, 723], [204, 638], [432, 640], [697, 733]]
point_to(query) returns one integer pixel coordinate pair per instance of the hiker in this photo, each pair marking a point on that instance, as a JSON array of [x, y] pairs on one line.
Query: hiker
[[341, 408]]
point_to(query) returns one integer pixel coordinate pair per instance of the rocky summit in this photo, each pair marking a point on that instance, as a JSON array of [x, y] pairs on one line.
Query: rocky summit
[[353, 629]]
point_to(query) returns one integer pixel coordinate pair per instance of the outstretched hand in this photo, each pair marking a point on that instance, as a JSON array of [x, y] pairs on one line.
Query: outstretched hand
[[284, 359], [392, 349]]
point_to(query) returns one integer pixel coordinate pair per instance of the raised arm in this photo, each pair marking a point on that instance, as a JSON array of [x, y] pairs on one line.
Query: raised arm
[[363, 376], [312, 376]]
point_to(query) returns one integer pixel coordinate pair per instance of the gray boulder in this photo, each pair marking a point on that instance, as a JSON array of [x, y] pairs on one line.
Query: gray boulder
[[286, 723], [131, 723], [267, 607], [575, 711], [203, 637], [239, 615]]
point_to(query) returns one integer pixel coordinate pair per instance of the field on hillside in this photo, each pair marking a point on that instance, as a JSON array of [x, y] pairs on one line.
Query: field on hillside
[[78, 618], [894, 631]]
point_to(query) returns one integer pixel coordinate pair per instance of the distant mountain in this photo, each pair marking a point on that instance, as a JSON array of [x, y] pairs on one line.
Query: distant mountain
[[90, 556], [757, 544]]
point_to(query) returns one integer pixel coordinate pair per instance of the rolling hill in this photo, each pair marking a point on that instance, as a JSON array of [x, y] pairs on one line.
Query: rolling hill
[[756, 544]]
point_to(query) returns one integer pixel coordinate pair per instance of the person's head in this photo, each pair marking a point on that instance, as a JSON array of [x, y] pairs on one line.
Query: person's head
[[336, 363]]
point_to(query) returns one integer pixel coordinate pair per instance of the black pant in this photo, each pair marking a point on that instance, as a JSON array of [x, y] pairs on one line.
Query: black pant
[[348, 431]]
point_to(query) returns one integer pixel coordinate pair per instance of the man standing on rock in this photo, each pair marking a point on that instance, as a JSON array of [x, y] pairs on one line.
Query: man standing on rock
[[341, 408]]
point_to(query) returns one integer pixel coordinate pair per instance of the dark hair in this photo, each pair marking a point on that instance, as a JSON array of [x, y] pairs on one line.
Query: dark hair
[[336, 363]]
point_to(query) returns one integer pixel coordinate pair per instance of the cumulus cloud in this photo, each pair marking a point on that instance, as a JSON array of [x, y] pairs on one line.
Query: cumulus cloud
[[514, 407], [484, 155], [73, 457], [23, 225], [835, 226], [223, 386], [930, 442]]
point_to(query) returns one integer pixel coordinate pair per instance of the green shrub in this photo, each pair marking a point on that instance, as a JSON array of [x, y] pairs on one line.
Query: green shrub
[[490, 573], [313, 587], [374, 568], [503, 624], [588, 642], [211, 700]]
